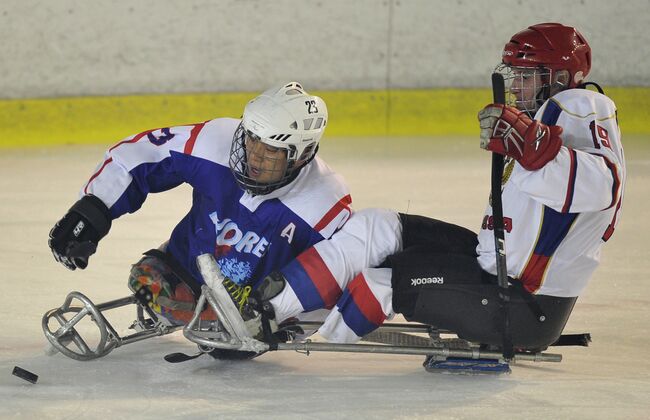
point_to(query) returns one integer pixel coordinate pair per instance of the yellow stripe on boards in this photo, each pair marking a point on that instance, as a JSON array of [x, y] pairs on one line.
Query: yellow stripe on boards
[[420, 112], [405, 112], [633, 105], [87, 120]]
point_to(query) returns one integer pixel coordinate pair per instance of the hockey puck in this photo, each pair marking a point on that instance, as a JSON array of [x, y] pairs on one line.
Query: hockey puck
[[25, 374]]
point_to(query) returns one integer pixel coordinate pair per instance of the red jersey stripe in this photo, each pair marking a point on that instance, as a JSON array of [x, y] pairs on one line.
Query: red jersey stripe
[[336, 209], [610, 229], [189, 145], [617, 182], [328, 289], [572, 181], [366, 300], [96, 174], [534, 272], [134, 139]]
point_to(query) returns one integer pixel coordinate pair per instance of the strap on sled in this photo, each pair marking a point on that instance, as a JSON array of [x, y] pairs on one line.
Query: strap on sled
[[528, 297]]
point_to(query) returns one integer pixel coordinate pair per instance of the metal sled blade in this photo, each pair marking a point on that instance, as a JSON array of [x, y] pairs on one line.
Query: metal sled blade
[[401, 339], [67, 340], [473, 353], [460, 366], [229, 332]]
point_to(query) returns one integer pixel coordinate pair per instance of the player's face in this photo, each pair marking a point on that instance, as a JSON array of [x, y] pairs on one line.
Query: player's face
[[266, 164], [526, 84]]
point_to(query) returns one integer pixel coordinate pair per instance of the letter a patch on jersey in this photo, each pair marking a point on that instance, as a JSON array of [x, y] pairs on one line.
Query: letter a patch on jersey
[[288, 232]]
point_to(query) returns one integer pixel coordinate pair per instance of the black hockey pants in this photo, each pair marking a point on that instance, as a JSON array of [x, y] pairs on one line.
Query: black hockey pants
[[438, 281]]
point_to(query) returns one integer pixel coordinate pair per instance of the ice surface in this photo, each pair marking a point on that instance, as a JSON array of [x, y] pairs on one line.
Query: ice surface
[[446, 179]]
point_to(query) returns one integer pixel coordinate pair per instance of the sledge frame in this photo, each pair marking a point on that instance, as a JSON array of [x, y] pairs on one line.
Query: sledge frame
[[230, 332]]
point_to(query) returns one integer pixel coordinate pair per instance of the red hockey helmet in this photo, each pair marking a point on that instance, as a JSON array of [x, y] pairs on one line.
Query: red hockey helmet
[[551, 45], [540, 61]]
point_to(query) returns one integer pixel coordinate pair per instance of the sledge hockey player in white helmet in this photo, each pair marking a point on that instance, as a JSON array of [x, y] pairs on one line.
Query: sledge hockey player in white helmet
[[256, 182], [562, 195], [278, 135]]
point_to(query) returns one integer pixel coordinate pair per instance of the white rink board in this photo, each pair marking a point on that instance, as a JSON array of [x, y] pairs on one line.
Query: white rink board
[[443, 179], [121, 47]]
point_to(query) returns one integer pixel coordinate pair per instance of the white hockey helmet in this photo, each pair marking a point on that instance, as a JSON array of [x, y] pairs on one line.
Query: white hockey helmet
[[283, 117]]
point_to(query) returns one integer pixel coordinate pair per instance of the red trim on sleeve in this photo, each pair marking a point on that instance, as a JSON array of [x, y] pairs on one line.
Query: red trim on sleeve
[[610, 229], [342, 204], [96, 174], [189, 145], [573, 169], [617, 182], [134, 139], [328, 289], [365, 300]]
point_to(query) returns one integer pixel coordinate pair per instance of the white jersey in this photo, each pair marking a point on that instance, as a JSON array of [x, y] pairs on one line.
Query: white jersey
[[557, 218]]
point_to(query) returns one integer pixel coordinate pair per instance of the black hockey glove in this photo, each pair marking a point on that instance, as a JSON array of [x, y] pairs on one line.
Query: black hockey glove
[[74, 238]]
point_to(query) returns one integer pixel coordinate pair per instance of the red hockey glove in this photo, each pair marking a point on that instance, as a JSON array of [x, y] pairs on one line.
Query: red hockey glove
[[508, 131]]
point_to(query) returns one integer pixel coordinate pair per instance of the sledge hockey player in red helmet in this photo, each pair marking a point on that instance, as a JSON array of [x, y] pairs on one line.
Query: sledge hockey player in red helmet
[[562, 193], [541, 61]]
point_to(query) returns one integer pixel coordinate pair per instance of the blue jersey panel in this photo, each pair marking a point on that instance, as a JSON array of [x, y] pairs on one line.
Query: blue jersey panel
[[247, 245], [147, 177]]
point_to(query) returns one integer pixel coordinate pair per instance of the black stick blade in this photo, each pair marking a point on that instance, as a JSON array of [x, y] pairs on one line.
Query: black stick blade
[[498, 89], [180, 357]]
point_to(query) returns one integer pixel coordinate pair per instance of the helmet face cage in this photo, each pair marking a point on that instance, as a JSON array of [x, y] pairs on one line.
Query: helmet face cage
[[526, 88], [256, 169], [278, 135]]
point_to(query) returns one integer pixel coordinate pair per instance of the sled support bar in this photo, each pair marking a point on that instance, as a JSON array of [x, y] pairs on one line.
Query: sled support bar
[[386, 327], [582, 339], [442, 353]]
